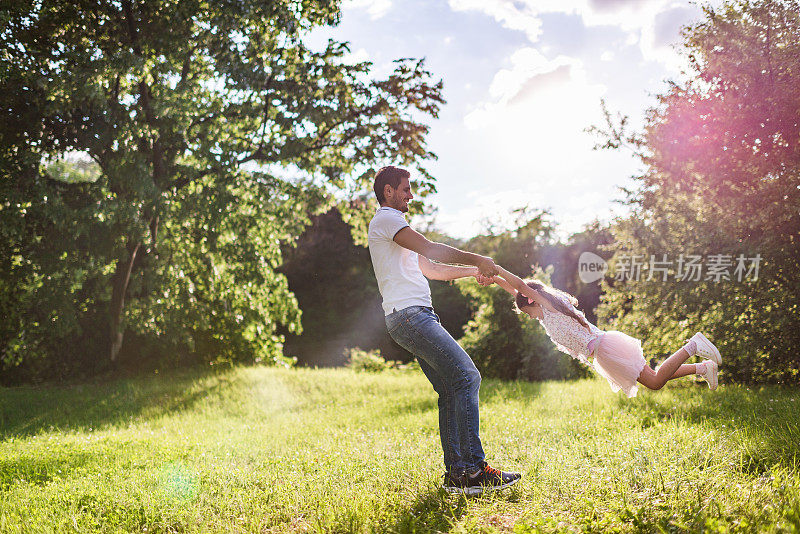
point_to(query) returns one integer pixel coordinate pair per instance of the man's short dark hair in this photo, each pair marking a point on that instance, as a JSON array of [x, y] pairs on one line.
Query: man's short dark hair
[[388, 175]]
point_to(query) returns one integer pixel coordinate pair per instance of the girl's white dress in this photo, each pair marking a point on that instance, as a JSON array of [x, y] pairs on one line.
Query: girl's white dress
[[618, 357]]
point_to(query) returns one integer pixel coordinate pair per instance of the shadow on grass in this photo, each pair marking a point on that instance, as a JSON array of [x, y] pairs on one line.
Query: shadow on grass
[[40, 470], [492, 391], [434, 510], [27, 411], [497, 391], [763, 423], [413, 406]]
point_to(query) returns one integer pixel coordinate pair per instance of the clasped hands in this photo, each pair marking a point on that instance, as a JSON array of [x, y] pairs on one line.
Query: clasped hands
[[484, 280], [486, 271]]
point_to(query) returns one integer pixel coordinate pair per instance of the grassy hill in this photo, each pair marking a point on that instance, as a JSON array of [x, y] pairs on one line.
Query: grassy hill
[[266, 449]]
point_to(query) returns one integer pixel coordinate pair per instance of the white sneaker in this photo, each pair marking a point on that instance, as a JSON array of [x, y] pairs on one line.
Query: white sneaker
[[706, 349], [710, 374]]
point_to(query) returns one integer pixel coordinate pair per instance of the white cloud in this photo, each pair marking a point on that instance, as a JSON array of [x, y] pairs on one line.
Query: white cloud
[[513, 15], [359, 56], [555, 91], [628, 15], [662, 33], [375, 8], [525, 15], [654, 24], [578, 192], [486, 205], [532, 126]]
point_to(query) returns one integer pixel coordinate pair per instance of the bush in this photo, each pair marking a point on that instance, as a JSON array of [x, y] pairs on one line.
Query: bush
[[371, 361]]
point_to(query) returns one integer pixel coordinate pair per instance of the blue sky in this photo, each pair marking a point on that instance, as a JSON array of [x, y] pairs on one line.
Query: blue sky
[[522, 80]]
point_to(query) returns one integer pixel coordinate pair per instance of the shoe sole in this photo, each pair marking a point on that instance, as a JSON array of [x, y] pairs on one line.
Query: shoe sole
[[716, 356], [713, 386], [478, 490]]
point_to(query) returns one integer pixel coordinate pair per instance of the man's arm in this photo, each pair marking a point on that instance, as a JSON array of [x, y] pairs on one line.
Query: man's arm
[[412, 240], [444, 272]]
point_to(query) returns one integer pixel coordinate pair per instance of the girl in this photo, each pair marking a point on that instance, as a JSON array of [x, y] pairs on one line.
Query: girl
[[617, 356]]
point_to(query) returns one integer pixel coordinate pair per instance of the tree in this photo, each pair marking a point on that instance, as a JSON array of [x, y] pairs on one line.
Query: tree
[[722, 152], [517, 249], [206, 123], [502, 343], [565, 261], [335, 287]]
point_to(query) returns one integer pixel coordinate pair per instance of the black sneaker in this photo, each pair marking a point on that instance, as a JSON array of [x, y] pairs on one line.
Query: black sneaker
[[454, 483], [487, 479]]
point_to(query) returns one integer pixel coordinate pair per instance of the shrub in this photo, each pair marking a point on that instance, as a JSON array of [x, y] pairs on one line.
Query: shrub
[[371, 361]]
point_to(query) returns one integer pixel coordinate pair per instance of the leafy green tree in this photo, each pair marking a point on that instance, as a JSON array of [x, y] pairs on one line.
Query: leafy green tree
[[517, 249], [204, 123], [722, 152]]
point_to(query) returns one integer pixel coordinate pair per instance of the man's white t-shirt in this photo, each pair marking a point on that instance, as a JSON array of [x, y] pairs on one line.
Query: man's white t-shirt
[[400, 281]]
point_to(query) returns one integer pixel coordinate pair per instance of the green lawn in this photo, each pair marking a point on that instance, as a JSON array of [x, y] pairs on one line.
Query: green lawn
[[265, 449]]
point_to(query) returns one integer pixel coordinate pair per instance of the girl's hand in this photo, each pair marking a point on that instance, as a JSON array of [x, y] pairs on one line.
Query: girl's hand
[[484, 280], [487, 267]]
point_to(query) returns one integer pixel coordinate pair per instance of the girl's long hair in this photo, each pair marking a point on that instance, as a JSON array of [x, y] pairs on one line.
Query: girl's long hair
[[552, 295]]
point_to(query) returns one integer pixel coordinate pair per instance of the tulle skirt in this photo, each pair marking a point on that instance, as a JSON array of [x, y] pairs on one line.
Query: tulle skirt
[[619, 359]]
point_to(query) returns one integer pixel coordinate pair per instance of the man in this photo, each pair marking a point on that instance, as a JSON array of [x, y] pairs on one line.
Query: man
[[401, 259]]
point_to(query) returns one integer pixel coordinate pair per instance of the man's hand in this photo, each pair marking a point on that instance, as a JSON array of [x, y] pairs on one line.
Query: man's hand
[[487, 267]]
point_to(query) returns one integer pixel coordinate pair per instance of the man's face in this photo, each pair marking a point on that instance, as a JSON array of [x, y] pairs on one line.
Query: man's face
[[399, 198]]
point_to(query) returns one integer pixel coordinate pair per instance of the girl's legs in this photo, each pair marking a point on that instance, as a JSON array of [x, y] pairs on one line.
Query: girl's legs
[[673, 367], [655, 380], [685, 370]]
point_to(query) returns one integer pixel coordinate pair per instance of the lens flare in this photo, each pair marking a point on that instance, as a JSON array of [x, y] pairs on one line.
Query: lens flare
[[179, 481]]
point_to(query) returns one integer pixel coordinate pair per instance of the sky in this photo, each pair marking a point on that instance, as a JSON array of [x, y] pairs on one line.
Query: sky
[[523, 80]]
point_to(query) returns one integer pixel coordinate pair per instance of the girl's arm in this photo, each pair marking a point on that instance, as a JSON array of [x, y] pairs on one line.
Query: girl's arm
[[518, 285], [440, 271], [505, 285]]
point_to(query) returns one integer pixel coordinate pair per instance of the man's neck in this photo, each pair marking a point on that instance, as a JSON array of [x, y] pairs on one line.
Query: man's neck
[[390, 207]]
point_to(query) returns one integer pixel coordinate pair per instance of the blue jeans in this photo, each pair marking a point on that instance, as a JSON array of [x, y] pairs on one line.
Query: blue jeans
[[454, 377]]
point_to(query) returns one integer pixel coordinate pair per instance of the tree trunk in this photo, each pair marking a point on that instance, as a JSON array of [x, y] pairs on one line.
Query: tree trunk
[[121, 279]]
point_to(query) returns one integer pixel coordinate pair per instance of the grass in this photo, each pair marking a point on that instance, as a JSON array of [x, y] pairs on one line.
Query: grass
[[277, 450]]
